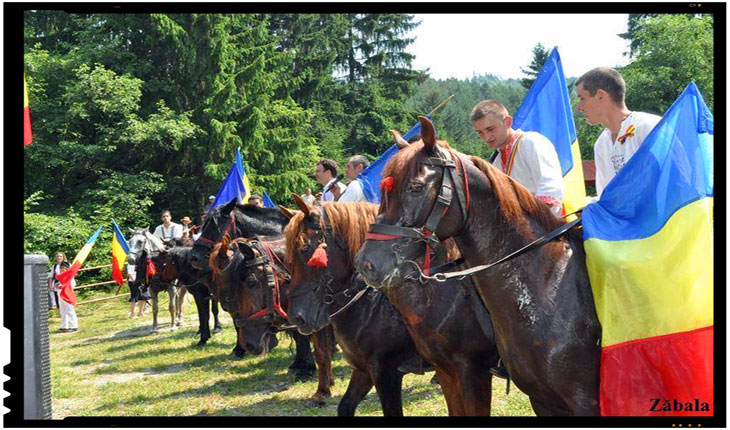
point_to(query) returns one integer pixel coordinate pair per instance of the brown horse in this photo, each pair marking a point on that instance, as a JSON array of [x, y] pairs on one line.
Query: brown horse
[[540, 303], [438, 318], [245, 284]]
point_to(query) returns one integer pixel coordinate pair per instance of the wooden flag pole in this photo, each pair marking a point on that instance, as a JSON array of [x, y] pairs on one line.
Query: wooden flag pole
[[442, 104]]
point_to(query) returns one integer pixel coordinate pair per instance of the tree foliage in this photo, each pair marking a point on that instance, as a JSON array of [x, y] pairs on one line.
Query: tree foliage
[[539, 56]]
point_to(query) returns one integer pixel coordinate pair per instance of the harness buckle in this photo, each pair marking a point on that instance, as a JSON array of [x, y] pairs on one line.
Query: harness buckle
[[328, 299]]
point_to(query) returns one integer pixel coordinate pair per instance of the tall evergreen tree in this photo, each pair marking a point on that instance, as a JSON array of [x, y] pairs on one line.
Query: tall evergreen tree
[[539, 56]]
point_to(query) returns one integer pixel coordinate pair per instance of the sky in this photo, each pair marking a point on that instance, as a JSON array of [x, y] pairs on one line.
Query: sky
[[463, 45]]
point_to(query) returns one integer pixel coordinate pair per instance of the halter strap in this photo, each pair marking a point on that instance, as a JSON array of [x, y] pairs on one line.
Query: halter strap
[[273, 301]]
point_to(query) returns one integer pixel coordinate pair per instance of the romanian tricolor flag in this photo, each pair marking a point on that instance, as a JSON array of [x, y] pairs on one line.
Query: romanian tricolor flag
[[67, 293], [649, 253], [27, 132], [546, 110], [235, 186], [120, 249]]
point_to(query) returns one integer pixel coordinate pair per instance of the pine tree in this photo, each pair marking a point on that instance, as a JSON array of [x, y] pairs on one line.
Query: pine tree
[[539, 56]]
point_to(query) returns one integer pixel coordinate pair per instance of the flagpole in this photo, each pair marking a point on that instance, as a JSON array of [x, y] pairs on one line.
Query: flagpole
[[442, 104]]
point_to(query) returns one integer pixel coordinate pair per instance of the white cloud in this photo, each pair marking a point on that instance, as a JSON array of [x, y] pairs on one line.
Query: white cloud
[[463, 45]]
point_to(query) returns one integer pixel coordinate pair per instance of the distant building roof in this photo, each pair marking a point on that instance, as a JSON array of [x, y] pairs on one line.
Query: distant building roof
[[589, 170]]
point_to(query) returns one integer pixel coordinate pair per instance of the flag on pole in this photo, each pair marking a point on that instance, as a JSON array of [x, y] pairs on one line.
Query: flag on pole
[[27, 131], [268, 203], [120, 249], [235, 186], [546, 110], [67, 292], [649, 254], [371, 176]]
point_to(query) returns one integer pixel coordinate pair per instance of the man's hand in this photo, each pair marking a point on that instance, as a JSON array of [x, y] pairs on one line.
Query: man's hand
[[336, 192]]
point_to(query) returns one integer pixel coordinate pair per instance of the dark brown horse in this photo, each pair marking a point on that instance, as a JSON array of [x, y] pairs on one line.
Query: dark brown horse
[[370, 330], [540, 303], [247, 285], [438, 317]]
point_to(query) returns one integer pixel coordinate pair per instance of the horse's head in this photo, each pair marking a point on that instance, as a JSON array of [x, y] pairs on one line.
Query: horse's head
[[423, 202], [243, 289], [216, 224], [137, 245], [320, 246]]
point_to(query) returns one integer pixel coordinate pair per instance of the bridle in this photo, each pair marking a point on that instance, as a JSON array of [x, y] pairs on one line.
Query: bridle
[[231, 225], [325, 281], [447, 160]]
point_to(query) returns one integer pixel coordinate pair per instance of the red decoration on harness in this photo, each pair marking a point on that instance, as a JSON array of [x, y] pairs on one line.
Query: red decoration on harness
[[387, 184], [319, 258], [151, 269]]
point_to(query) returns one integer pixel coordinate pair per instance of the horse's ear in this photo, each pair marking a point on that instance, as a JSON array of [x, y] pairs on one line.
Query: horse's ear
[[399, 141], [131, 229], [230, 206], [246, 250], [301, 204], [288, 212], [147, 230], [428, 134]]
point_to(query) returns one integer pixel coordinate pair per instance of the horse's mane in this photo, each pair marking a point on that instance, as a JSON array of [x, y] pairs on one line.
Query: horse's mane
[[266, 221], [515, 200], [348, 220]]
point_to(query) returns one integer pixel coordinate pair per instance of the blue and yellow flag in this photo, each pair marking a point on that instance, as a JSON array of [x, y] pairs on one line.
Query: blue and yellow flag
[[546, 110], [649, 254], [235, 186], [120, 249], [268, 203], [371, 176]]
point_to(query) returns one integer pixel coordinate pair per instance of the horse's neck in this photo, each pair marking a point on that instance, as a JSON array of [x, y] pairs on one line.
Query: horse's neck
[[247, 225]]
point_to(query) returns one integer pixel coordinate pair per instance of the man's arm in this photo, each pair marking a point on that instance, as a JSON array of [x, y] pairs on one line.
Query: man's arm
[[543, 158], [353, 192]]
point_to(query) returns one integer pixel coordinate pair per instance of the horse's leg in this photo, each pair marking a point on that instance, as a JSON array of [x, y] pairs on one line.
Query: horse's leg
[[359, 386], [172, 291], [179, 305], [388, 383], [201, 303], [216, 321], [452, 393], [476, 390], [154, 292], [325, 375], [303, 366]]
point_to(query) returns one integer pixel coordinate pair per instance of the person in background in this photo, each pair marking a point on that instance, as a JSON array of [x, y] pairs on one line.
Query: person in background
[[187, 226], [169, 232], [256, 200], [69, 321], [206, 209], [601, 94], [526, 156], [309, 198], [53, 298], [326, 175], [353, 193], [136, 297]]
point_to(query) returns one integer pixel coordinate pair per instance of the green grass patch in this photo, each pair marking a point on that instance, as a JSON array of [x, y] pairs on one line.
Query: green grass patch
[[114, 366]]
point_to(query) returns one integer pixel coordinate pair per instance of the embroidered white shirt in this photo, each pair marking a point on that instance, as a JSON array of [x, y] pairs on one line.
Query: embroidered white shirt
[[328, 196], [537, 168], [353, 193], [612, 155]]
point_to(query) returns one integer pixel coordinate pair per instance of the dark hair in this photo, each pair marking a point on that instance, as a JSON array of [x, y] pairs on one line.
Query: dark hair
[[357, 160], [166, 212], [255, 196], [330, 165], [606, 79], [65, 264]]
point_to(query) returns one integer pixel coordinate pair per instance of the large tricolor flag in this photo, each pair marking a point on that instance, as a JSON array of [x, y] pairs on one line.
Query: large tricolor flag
[[371, 176], [546, 110], [236, 185], [649, 253], [120, 249], [67, 293], [268, 203], [27, 131]]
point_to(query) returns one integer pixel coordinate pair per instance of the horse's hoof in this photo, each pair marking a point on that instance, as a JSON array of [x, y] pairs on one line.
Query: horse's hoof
[[217, 329], [154, 330], [173, 328], [319, 399], [238, 354], [201, 343], [303, 377]]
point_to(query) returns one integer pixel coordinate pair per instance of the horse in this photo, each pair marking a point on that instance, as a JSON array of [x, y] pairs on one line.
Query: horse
[[247, 221], [177, 266], [439, 318], [368, 328], [540, 303], [147, 252]]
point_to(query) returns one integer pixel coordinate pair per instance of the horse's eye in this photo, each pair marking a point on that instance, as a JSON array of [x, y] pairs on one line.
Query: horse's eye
[[416, 186], [306, 248]]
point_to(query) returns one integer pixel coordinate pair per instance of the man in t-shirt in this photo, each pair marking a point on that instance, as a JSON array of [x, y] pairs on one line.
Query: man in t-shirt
[[326, 175], [168, 230], [601, 94], [353, 193], [526, 156]]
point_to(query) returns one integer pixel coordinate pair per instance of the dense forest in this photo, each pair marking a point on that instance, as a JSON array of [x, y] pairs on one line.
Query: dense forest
[[135, 113]]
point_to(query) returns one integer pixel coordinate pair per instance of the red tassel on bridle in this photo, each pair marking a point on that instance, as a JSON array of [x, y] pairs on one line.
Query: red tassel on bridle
[[319, 257], [151, 269], [387, 184]]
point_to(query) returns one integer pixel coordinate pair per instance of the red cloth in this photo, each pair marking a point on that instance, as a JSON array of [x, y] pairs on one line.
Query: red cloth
[[65, 278]]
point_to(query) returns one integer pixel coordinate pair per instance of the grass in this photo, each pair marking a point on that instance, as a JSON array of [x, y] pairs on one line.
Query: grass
[[114, 366]]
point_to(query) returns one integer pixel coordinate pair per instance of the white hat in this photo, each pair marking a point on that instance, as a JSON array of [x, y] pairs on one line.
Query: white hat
[[211, 197]]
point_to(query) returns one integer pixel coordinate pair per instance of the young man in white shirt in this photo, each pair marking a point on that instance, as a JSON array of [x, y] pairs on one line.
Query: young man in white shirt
[[353, 193], [168, 230], [601, 99], [528, 157], [326, 175]]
